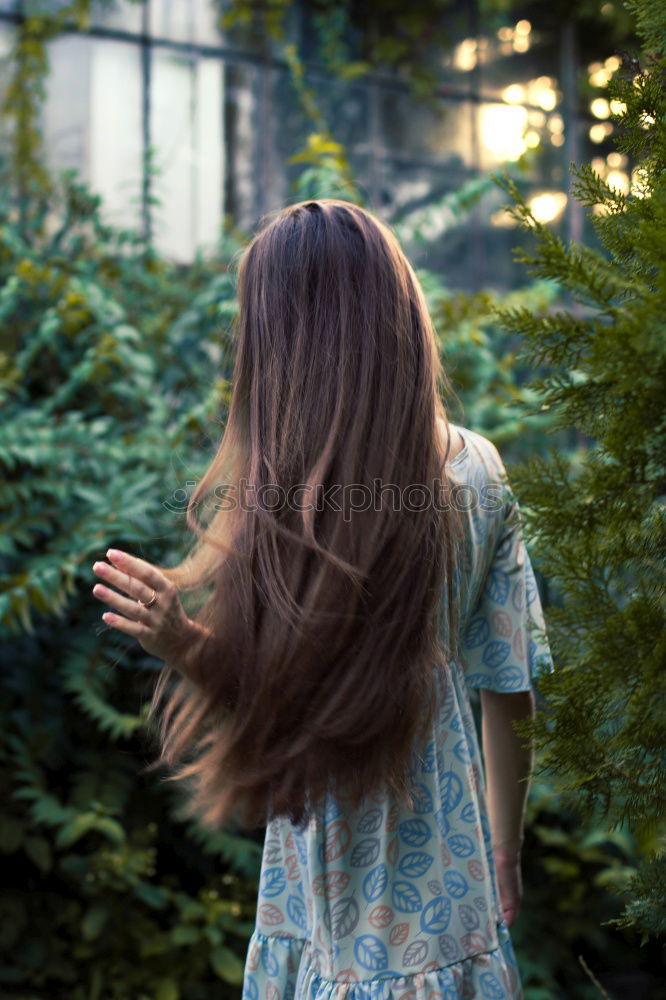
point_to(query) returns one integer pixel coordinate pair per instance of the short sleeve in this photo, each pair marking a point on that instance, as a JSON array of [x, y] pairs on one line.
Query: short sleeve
[[504, 646]]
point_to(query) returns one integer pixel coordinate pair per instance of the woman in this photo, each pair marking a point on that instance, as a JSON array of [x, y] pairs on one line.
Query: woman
[[365, 566]]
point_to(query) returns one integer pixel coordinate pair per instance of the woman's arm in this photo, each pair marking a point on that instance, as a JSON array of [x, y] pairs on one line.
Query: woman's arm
[[506, 762]]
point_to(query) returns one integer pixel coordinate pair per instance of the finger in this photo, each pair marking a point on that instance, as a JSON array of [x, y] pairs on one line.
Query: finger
[[131, 586], [135, 629], [126, 607], [138, 568]]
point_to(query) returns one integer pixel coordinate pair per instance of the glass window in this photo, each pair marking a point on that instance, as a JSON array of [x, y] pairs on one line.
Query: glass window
[[115, 124], [184, 21], [121, 15], [186, 134]]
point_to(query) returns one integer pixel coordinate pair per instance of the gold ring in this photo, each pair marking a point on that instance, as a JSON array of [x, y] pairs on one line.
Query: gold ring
[[148, 604]]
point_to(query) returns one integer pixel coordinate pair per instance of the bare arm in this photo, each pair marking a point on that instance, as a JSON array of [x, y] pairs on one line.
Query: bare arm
[[506, 761]]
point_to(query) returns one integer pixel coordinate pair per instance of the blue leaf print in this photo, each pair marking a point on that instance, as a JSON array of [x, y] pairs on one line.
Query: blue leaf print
[[455, 724], [250, 989], [442, 821], [497, 585], [495, 653], [371, 821], [273, 882], [510, 678], [449, 989], [428, 760], [415, 832], [477, 632], [461, 845], [468, 814], [469, 918], [269, 961], [301, 849], [476, 680], [344, 917], [375, 882], [406, 897], [370, 952], [415, 864], [297, 912], [451, 790], [436, 915], [365, 853], [455, 884], [462, 752], [491, 987], [332, 810], [422, 799]]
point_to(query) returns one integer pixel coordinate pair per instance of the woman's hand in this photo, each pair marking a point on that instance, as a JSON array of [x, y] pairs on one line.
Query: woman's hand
[[163, 629], [509, 883]]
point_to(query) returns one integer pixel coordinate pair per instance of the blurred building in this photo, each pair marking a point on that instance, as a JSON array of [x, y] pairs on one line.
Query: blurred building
[[178, 129]]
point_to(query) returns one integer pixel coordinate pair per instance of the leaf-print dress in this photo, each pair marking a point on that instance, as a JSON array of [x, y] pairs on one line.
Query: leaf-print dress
[[386, 902]]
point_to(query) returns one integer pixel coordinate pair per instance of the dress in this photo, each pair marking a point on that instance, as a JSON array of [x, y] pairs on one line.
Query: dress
[[389, 903]]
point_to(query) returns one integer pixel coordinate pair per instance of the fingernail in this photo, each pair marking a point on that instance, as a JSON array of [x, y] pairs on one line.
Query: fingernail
[[114, 553]]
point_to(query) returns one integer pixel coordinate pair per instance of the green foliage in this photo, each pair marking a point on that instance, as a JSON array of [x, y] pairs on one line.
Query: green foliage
[[106, 394], [599, 517]]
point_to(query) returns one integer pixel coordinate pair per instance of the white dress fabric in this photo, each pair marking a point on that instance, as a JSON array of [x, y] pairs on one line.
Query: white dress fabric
[[387, 903]]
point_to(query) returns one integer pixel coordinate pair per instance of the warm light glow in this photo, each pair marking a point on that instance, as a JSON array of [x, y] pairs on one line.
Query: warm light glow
[[547, 205], [594, 67], [612, 63], [607, 9], [464, 54], [600, 78], [532, 139], [523, 28], [599, 166], [556, 123], [505, 34], [639, 186], [618, 107], [502, 219], [597, 133], [542, 92], [537, 118], [514, 93], [600, 107], [616, 160], [502, 130], [646, 121], [557, 139], [521, 43], [618, 180]]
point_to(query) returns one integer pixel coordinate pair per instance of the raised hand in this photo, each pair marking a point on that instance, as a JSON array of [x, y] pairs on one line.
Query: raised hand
[[152, 611]]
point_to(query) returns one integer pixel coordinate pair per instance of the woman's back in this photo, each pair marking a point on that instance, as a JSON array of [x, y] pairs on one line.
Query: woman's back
[[389, 901]]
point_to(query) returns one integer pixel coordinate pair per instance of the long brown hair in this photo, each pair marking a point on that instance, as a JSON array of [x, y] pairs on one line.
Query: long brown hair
[[322, 618]]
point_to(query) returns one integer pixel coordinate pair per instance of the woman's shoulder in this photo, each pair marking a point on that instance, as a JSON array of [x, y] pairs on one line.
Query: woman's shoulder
[[477, 445]]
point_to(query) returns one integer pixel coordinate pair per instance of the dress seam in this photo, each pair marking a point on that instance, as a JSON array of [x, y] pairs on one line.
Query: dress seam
[[375, 979]]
